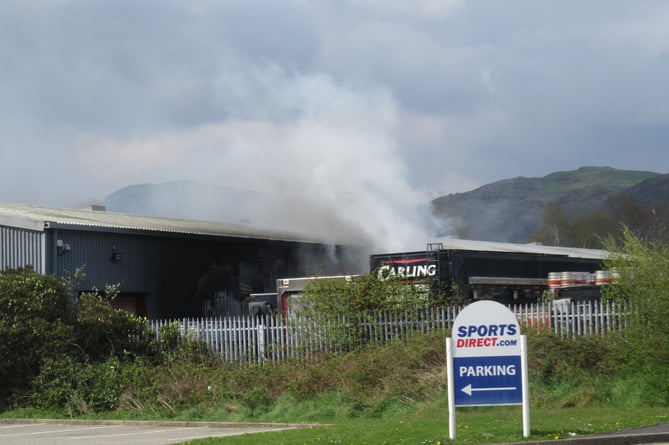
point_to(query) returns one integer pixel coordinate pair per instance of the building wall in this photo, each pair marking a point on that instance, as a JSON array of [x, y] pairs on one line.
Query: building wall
[[180, 276], [21, 247], [164, 275]]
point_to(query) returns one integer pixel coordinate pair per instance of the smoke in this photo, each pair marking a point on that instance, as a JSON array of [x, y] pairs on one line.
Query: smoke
[[321, 156], [305, 153]]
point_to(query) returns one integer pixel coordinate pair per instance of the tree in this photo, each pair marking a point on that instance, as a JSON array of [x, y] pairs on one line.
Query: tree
[[642, 267], [554, 224], [645, 221], [339, 309], [55, 348], [36, 317], [589, 230]]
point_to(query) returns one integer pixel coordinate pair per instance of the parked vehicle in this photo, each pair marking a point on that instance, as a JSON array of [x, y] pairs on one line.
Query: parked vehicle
[[464, 271], [498, 271], [287, 296]]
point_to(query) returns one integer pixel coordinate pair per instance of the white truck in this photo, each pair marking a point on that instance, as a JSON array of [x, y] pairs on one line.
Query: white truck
[[287, 296]]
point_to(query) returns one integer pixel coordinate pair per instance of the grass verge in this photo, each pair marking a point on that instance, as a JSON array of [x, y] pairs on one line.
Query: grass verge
[[428, 425], [374, 395]]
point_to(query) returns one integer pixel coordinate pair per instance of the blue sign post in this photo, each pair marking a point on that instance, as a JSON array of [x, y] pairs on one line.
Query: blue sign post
[[487, 381], [487, 361]]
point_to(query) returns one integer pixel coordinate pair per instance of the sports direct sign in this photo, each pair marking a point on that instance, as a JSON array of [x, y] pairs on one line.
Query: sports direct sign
[[486, 328], [487, 361]]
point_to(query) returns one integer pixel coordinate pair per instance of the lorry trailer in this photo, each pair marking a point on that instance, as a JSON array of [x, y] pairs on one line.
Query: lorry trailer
[[466, 271]]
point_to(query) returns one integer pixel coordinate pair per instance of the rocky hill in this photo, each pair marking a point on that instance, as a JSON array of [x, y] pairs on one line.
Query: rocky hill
[[510, 210]]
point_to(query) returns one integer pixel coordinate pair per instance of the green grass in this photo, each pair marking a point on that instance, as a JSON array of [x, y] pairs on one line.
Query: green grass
[[606, 177], [429, 425], [423, 423], [391, 394]]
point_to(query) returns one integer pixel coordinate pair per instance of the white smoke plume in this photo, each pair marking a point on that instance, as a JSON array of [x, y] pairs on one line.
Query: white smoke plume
[[322, 156]]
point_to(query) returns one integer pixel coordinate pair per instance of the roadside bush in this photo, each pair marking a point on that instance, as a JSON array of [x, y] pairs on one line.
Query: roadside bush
[[577, 371], [374, 377], [80, 388], [338, 309], [642, 267], [35, 323], [99, 359], [553, 359], [359, 296], [55, 351], [257, 400], [103, 331]]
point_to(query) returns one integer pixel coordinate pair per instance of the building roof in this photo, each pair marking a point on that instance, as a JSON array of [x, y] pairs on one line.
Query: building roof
[[41, 218], [490, 246]]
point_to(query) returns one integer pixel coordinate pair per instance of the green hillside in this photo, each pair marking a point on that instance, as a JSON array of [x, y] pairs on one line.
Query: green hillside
[[510, 210]]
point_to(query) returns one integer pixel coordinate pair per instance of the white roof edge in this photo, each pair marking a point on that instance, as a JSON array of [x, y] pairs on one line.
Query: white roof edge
[[494, 246], [38, 218], [21, 223]]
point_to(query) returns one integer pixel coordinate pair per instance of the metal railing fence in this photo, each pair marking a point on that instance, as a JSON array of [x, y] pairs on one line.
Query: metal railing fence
[[261, 338]]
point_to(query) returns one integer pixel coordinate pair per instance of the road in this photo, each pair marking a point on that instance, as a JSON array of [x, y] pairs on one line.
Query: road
[[122, 433]]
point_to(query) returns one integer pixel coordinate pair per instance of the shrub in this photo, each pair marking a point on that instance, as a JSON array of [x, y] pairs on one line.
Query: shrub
[[642, 267], [64, 352], [553, 359], [35, 323], [103, 331], [80, 388], [338, 309]]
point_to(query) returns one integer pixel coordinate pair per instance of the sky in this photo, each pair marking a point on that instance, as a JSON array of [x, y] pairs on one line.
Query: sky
[[356, 111]]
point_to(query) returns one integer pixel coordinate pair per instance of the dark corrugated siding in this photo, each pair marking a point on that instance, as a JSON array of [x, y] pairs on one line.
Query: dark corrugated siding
[[20, 248], [91, 253]]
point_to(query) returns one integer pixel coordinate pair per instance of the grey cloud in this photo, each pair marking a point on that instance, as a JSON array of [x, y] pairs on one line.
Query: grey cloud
[[462, 95], [128, 64]]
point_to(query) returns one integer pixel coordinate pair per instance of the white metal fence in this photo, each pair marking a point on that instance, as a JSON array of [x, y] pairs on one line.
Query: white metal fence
[[257, 339]]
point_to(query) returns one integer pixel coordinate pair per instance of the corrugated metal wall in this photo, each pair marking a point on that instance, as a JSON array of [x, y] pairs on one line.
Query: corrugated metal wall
[[20, 248], [164, 275], [171, 275], [91, 252]]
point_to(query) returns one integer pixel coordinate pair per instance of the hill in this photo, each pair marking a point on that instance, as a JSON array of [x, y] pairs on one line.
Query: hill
[[510, 210], [652, 191], [182, 199]]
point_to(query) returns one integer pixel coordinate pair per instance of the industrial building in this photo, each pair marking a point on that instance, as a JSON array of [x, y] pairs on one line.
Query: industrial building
[[163, 267]]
